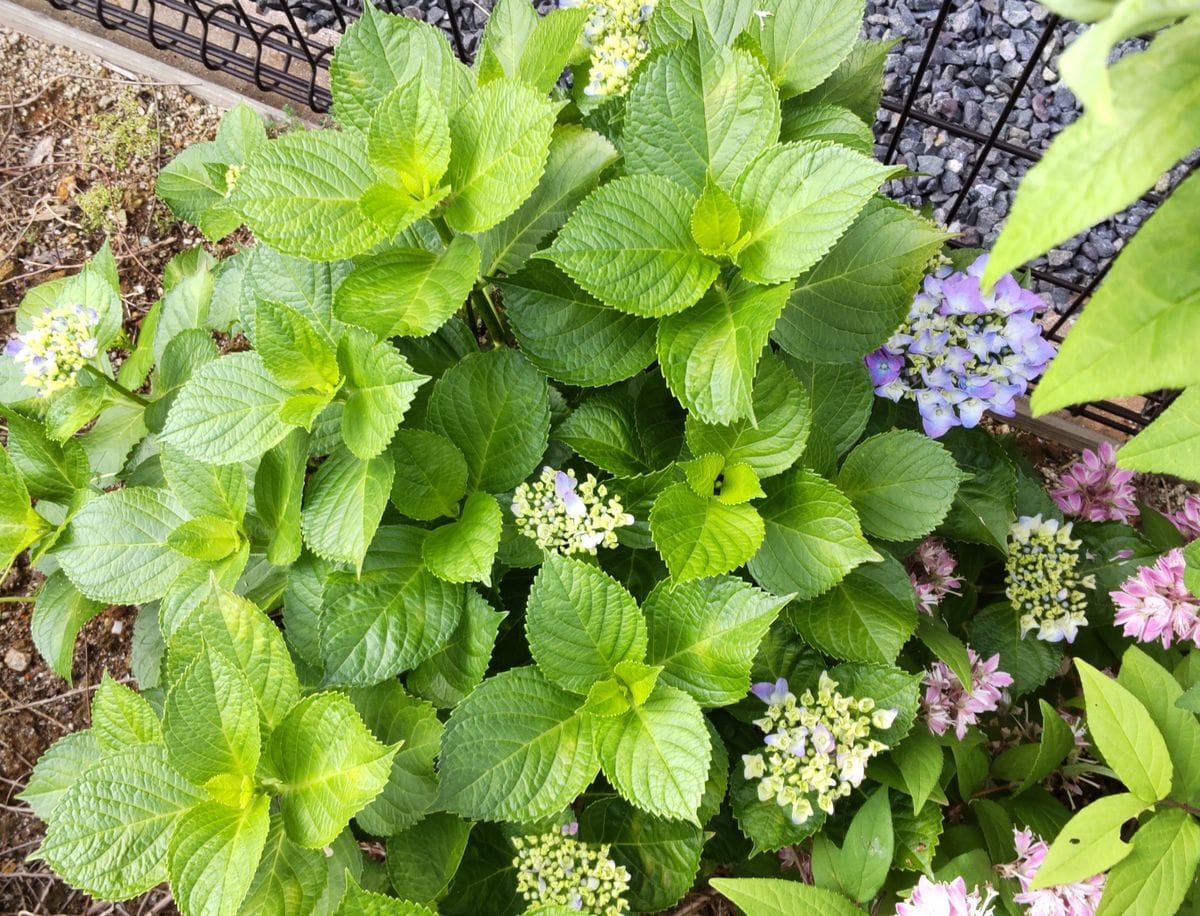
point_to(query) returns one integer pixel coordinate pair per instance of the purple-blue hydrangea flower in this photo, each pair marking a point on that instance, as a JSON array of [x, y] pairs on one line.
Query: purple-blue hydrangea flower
[[961, 351]]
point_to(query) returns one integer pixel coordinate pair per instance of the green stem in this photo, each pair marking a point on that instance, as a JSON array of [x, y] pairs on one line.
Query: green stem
[[119, 389], [18, 599], [491, 317]]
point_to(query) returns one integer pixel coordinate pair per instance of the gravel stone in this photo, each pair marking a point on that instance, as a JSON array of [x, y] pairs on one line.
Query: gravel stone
[[16, 659]]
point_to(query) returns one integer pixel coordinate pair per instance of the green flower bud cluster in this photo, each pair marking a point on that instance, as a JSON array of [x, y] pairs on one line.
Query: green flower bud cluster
[[819, 744], [55, 347], [1044, 583], [560, 514], [557, 869], [615, 35]]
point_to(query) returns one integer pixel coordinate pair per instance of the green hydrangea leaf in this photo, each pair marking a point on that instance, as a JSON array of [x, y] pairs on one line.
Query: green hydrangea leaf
[[706, 633], [343, 506], [422, 860], [581, 623], [380, 385], [698, 109], [213, 854], [571, 336], [709, 354], [304, 286], [676, 20], [842, 397], [408, 292], [289, 880], [463, 550], [856, 83], [328, 765], [518, 748], [121, 718], [408, 141], [577, 157], [716, 222], [457, 668], [901, 482], [278, 495], [59, 613], [796, 200], [358, 902], [867, 617], [827, 122], [57, 769], [495, 407], [108, 834], [813, 536], [412, 787], [630, 245], [603, 430], [700, 536], [115, 547], [393, 616], [890, 688], [525, 46], [205, 537], [228, 411], [1031, 662], [804, 43], [657, 755], [775, 438], [431, 475], [984, 505], [293, 350], [206, 489], [500, 139], [858, 294], [51, 470], [381, 52]]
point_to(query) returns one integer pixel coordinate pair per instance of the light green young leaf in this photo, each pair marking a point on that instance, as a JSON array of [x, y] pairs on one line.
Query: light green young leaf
[[630, 245], [211, 721], [228, 411], [358, 902], [205, 537], [867, 617], [408, 141], [577, 157], [496, 408], [709, 354], [380, 384], [1155, 121], [290, 879], [58, 769], [194, 181], [1090, 843], [826, 122], [278, 493], [1156, 876], [408, 292], [51, 470], [463, 550], [581, 624], [1126, 735], [901, 482], [698, 109], [813, 537], [451, 673], [328, 765], [294, 351], [534, 49], [716, 222], [306, 286], [866, 854], [300, 193], [700, 536], [343, 506], [115, 547], [676, 20], [108, 833], [422, 860], [706, 634], [381, 52], [657, 755], [603, 430], [859, 293], [569, 335], [779, 897], [1169, 444], [212, 856], [500, 139], [59, 613], [206, 489], [518, 748], [805, 42], [122, 718], [431, 475]]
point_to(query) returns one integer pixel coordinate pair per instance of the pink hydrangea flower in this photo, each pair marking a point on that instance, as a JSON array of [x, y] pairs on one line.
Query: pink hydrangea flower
[[947, 702], [947, 898], [931, 569], [1154, 603], [1078, 899], [1094, 488], [1187, 519]]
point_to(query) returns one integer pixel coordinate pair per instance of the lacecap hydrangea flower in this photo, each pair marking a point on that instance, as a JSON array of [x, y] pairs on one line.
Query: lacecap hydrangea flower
[[1044, 583], [1154, 603], [947, 898], [962, 351], [1187, 519], [1095, 489], [55, 347], [562, 515], [931, 571], [817, 745], [1078, 899], [948, 702], [556, 869], [615, 35]]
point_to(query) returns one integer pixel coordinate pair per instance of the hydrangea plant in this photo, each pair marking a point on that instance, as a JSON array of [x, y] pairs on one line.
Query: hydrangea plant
[[475, 510]]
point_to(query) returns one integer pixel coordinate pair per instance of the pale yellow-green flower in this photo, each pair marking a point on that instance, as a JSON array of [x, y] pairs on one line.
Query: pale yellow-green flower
[[557, 869]]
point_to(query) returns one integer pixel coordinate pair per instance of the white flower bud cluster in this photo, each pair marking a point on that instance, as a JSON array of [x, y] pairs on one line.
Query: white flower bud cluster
[[615, 35], [55, 347], [1044, 584], [817, 745], [560, 514], [557, 869]]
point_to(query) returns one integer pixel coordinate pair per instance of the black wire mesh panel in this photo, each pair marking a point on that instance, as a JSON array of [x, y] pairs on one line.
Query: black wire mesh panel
[[285, 47]]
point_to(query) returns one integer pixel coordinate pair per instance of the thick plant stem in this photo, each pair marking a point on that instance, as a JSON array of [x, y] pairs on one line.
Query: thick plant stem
[[491, 316], [121, 390]]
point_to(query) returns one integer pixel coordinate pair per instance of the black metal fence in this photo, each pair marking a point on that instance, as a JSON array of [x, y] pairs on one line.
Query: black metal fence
[[285, 47]]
